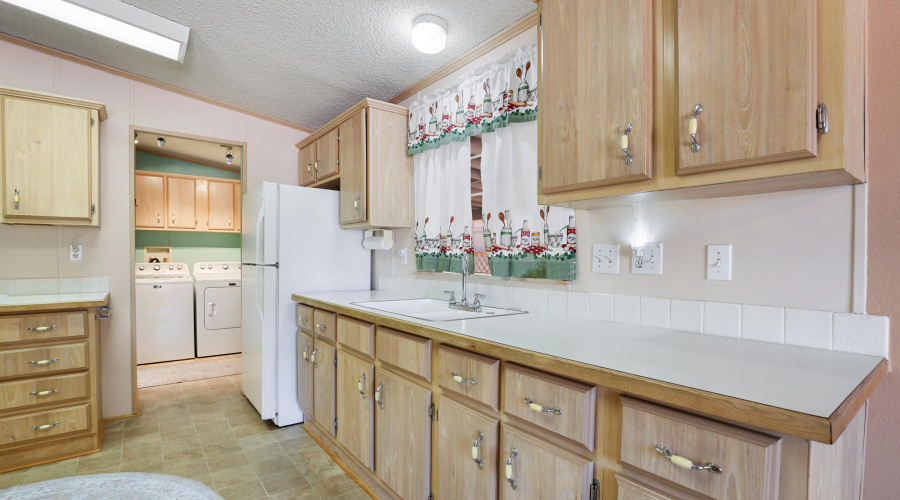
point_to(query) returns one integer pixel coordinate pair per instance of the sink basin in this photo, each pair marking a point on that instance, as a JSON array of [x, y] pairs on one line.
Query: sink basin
[[433, 309]]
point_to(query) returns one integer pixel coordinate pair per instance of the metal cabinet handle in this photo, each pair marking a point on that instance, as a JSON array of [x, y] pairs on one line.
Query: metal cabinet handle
[[624, 144], [43, 362], [45, 393], [317, 165], [361, 387], [475, 450], [512, 482], [692, 128], [42, 328], [306, 354], [323, 327], [312, 358], [229, 221], [16, 198], [309, 168], [685, 463], [457, 377], [378, 395], [540, 408], [157, 218], [173, 218], [356, 204], [44, 427]]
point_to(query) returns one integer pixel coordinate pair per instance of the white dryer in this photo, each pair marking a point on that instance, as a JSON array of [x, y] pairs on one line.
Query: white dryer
[[217, 290], [163, 312]]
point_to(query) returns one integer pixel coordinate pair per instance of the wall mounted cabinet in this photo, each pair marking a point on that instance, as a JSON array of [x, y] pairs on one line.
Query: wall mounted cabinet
[[50, 157], [174, 202], [150, 201]]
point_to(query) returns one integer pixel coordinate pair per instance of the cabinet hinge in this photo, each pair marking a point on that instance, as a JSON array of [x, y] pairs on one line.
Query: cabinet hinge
[[431, 496], [595, 489], [540, 172], [339, 162], [339, 137], [541, 21], [335, 360], [92, 122], [335, 424], [94, 208], [432, 412]]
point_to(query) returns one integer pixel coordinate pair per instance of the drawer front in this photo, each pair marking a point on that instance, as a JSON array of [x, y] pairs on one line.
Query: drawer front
[[324, 324], [38, 391], [40, 360], [409, 353], [24, 428], [629, 489], [305, 318], [471, 375], [533, 469], [31, 327], [749, 461], [356, 335], [561, 406]]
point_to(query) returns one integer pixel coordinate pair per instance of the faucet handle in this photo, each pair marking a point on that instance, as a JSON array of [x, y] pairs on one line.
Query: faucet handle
[[452, 295], [478, 298]]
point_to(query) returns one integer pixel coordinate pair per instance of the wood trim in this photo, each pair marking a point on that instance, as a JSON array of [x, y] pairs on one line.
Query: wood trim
[[195, 162], [527, 22], [361, 105], [147, 81], [846, 412], [55, 99]]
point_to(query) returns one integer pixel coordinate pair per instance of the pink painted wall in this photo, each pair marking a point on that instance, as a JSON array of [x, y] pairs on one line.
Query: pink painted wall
[[883, 89]]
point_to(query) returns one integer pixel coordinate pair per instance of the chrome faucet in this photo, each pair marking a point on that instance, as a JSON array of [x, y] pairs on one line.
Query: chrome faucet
[[464, 303]]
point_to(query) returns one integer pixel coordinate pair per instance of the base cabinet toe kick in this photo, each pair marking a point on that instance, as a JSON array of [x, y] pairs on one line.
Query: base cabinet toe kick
[[417, 414]]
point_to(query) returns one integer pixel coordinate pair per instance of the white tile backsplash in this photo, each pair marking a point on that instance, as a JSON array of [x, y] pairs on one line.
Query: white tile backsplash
[[686, 315], [537, 300], [578, 305], [655, 312], [47, 286], [7, 287], [26, 287], [90, 285], [722, 319], [520, 299], [69, 285], [762, 323], [557, 302], [861, 334], [627, 309], [104, 284], [807, 328], [601, 307]]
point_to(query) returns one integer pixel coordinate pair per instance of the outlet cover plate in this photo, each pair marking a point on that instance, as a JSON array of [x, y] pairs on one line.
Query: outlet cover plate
[[605, 259], [718, 262], [75, 254], [647, 259]]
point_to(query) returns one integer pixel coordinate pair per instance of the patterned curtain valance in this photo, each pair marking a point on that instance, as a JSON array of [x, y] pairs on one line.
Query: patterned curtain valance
[[484, 100]]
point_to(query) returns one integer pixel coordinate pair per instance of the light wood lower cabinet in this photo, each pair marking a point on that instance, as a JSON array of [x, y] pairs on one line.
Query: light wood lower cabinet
[[466, 453], [305, 373], [323, 360], [535, 469], [356, 406], [403, 435]]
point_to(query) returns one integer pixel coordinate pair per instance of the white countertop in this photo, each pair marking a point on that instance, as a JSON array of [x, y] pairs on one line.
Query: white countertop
[[800, 379], [10, 301]]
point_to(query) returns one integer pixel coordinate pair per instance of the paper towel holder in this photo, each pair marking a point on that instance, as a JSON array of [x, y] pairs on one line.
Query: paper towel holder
[[374, 241]]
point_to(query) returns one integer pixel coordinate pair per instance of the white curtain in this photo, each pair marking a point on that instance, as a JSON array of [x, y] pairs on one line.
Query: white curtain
[[444, 208]]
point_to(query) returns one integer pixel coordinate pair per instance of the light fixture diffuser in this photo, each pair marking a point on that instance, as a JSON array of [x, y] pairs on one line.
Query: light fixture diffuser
[[117, 20], [429, 34]]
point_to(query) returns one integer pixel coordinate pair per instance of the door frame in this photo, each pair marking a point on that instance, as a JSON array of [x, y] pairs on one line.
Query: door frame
[[132, 129]]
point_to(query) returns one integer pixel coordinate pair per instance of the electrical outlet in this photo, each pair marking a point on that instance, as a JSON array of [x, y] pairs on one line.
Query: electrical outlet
[[718, 262], [402, 254], [75, 254], [647, 259], [605, 259]]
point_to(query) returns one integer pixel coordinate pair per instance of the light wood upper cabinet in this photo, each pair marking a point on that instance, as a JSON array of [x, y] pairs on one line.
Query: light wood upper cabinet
[[149, 201], [50, 158], [751, 65], [305, 373], [596, 80], [181, 203], [307, 161], [467, 453], [221, 205], [356, 407], [324, 385], [354, 196], [541, 470], [237, 206], [327, 155]]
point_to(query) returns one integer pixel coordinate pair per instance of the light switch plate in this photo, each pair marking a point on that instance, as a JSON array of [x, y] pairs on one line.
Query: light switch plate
[[647, 259], [718, 262], [605, 259], [75, 254]]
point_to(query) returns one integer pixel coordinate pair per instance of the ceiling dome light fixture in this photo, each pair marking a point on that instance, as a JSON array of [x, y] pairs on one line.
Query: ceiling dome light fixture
[[429, 34], [160, 141], [229, 157], [135, 138]]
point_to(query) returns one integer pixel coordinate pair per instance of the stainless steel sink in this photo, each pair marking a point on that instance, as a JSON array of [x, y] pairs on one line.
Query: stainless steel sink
[[433, 309]]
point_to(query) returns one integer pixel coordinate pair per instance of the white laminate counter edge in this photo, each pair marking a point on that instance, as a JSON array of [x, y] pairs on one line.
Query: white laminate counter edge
[[52, 299]]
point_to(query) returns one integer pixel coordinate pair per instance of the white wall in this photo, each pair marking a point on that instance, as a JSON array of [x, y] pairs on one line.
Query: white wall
[[41, 252]]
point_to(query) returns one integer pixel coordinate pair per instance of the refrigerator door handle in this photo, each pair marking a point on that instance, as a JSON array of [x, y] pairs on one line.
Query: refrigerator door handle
[[259, 222]]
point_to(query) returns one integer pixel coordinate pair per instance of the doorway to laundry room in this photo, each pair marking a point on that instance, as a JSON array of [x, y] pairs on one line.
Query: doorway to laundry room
[[187, 253]]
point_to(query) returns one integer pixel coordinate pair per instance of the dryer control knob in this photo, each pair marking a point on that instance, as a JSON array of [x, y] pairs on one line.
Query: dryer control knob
[[224, 266], [202, 266], [179, 268], [141, 268], [156, 267], [171, 267]]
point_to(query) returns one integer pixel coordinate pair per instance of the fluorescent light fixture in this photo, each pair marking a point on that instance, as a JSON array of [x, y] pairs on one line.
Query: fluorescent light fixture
[[429, 34], [117, 20]]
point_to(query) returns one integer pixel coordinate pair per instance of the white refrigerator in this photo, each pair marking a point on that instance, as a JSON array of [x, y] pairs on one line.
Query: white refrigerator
[[291, 241]]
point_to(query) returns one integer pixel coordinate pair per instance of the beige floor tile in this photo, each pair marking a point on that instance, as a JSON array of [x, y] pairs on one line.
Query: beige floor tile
[[131, 432], [118, 423], [56, 470], [249, 429], [187, 469], [257, 439], [273, 466], [227, 461], [179, 445], [240, 420], [217, 437], [288, 433], [317, 471], [107, 470], [335, 486], [310, 454], [246, 491], [355, 495], [154, 464], [140, 452], [183, 457], [212, 427], [167, 433], [222, 448], [205, 478], [131, 442], [233, 476], [14, 478], [264, 452], [140, 421], [305, 492], [88, 465], [176, 413], [286, 480], [298, 444]]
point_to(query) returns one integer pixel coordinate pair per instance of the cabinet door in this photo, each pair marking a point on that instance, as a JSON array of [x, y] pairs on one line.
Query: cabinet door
[[305, 347], [403, 435], [237, 206], [324, 385], [541, 470], [46, 160], [353, 169], [596, 78], [180, 194], [307, 160], [327, 155], [751, 65], [149, 201], [356, 407], [221, 205], [467, 453]]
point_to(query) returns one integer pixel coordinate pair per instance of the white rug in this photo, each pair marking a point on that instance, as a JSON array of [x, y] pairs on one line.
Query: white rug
[[186, 371], [116, 486]]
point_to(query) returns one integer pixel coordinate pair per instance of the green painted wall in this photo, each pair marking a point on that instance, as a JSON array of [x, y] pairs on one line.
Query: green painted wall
[[153, 163]]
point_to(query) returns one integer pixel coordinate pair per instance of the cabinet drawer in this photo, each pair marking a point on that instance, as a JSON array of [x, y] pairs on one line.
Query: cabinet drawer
[[324, 324], [561, 406], [356, 335], [409, 353], [305, 318], [40, 360], [749, 461], [629, 489], [31, 327], [23, 428], [532, 468], [471, 375], [43, 390]]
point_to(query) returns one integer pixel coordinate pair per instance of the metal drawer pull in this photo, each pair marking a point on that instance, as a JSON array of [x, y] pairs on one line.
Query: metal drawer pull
[[306, 354], [312, 358], [538, 408], [304, 320], [475, 450], [509, 478], [44, 427], [359, 385], [685, 463], [43, 361], [378, 395], [624, 144], [692, 128], [320, 326], [457, 377], [42, 328], [45, 393], [16, 198]]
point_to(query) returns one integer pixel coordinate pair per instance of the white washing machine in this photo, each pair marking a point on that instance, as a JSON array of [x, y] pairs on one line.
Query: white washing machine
[[164, 312], [217, 291]]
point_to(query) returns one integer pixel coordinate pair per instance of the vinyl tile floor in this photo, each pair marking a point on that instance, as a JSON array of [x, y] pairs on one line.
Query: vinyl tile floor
[[207, 431]]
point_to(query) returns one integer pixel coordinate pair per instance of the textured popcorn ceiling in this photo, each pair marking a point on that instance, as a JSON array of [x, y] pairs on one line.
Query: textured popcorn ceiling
[[303, 61]]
